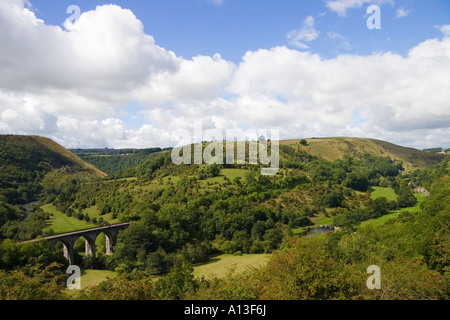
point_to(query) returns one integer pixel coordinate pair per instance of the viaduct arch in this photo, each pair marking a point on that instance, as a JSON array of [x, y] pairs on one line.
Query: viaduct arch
[[90, 235]]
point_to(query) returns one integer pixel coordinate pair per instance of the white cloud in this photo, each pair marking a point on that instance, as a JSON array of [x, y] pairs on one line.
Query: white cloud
[[445, 29], [70, 85], [307, 33], [100, 57], [95, 66], [342, 6], [198, 79], [395, 94], [402, 13], [343, 41]]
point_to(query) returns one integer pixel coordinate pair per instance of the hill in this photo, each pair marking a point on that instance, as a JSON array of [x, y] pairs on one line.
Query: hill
[[26, 160], [114, 160], [182, 215], [332, 149]]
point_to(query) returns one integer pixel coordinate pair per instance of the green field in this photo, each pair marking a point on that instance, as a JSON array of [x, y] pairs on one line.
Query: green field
[[94, 277], [323, 220], [91, 278], [394, 214], [93, 212], [379, 192], [335, 148], [219, 266], [375, 193], [60, 223]]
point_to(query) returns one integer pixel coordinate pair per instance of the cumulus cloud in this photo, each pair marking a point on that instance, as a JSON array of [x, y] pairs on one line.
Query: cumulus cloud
[[342, 6], [91, 68], [394, 93], [106, 46], [200, 78], [307, 33], [70, 85], [445, 29], [402, 13], [98, 60], [343, 41]]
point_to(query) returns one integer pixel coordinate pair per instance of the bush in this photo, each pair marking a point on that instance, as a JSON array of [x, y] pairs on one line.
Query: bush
[[333, 199], [406, 198]]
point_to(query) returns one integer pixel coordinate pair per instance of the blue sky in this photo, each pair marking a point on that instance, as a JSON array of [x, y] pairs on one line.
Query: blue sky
[[193, 27], [130, 73]]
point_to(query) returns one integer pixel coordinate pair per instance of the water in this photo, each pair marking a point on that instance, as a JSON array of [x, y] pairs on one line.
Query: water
[[319, 231], [27, 207]]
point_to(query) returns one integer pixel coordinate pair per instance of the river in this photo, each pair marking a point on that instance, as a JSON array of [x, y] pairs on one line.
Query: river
[[27, 207], [319, 231]]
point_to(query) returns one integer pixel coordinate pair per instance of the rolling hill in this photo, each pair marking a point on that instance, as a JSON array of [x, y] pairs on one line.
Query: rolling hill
[[26, 160], [211, 216], [335, 148], [112, 161], [15, 149]]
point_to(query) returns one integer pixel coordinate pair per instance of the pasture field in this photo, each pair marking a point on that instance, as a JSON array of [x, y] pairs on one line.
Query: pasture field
[[379, 192], [60, 223], [94, 277], [220, 266], [394, 214]]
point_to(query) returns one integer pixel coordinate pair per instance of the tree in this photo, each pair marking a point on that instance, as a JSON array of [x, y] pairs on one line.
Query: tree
[[176, 283], [274, 236], [333, 199], [213, 170], [38, 283], [406, 198], [357, 181], [158, 262], [380, 206]]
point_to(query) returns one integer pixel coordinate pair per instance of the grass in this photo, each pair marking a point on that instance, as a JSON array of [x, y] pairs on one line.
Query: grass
[[229, 173], [93, 212], [91, 278], [375, 193], [60, 223], [204, 184], [220, 266], [335, 148], [94, 277], [394, 214], [323, 220], [379, 192], [233, 173]]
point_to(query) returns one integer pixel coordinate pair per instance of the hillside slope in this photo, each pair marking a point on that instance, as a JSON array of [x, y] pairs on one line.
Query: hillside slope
[[335, 148], [25, 160], [112, 161], [41, 149]]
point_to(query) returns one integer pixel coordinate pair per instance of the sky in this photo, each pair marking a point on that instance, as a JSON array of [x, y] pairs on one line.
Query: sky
[[131, 73]]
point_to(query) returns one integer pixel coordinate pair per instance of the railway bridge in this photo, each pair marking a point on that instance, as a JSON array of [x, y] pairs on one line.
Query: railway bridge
[[90, 235]]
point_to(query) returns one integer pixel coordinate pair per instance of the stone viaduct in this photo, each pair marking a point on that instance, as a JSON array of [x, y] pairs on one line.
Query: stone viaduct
[[90, 235]]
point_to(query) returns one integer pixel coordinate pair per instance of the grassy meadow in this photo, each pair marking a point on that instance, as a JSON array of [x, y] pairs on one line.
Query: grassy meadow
[[394, 214], [379, 192], [220, 266], [61, 223]]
